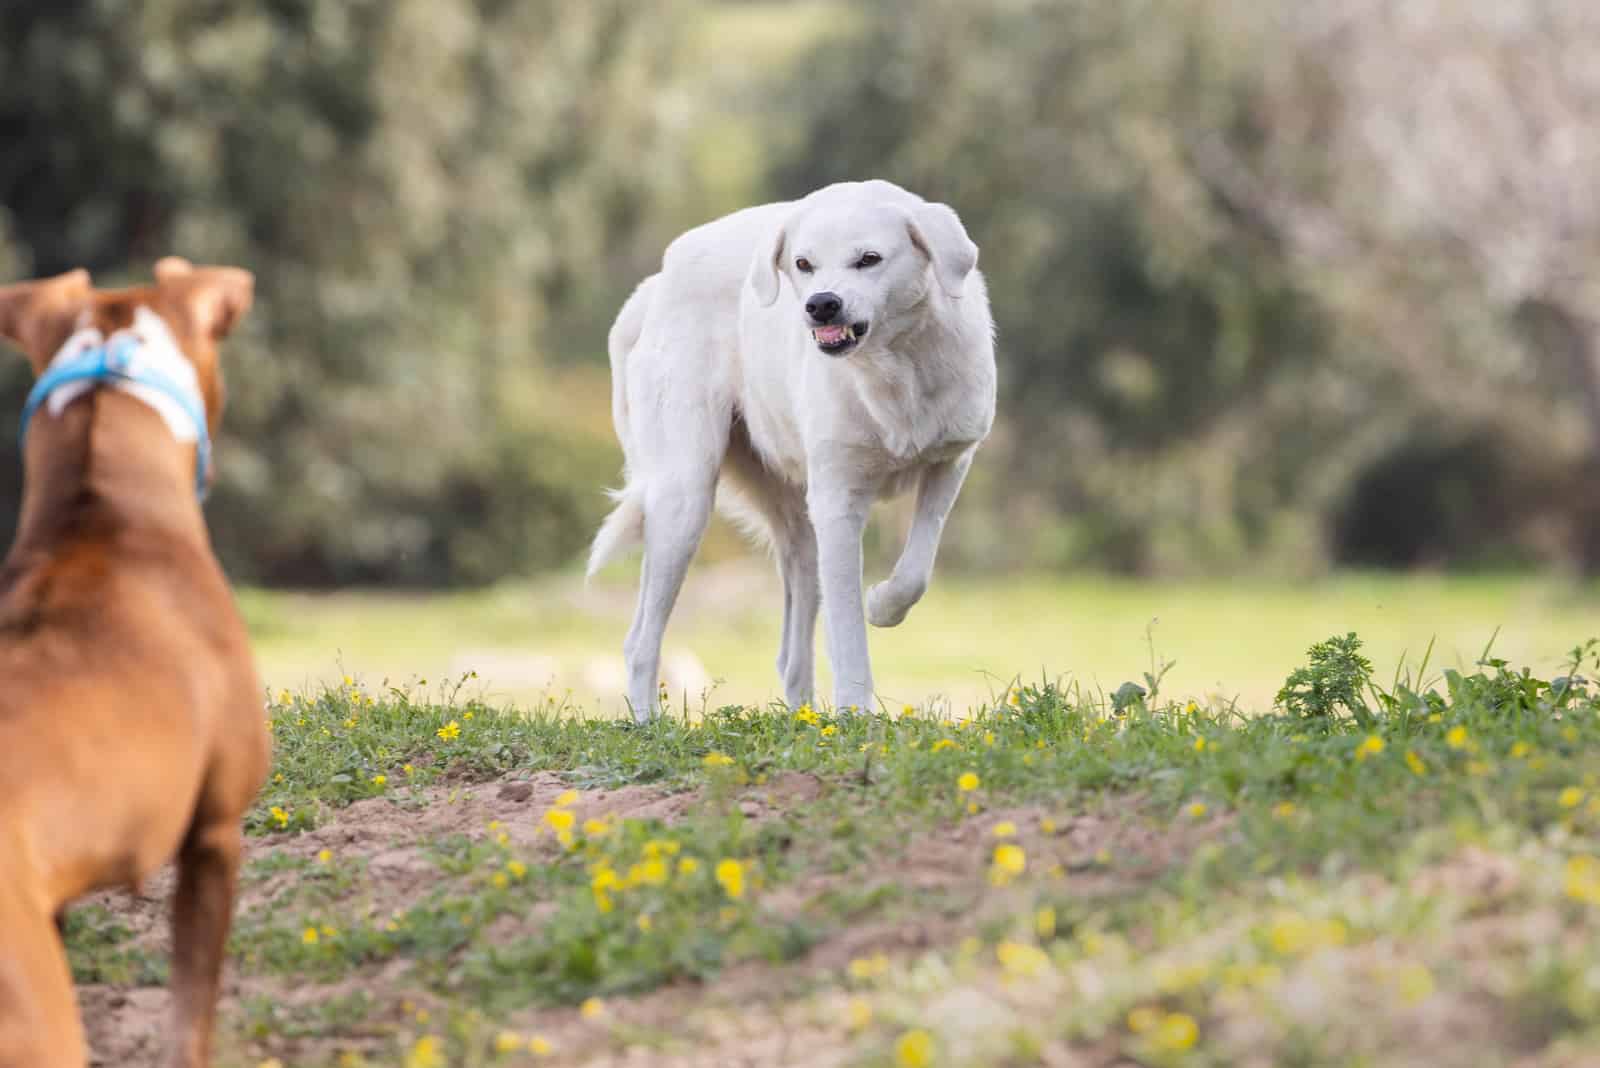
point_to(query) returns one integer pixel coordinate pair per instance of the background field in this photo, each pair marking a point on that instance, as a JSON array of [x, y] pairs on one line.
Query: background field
[[968, 638]]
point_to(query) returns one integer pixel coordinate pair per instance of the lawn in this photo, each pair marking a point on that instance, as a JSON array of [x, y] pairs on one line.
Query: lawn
[[1379, 871], [965, 641]]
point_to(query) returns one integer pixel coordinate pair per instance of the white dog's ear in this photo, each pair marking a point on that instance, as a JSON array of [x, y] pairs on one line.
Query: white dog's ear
[[938, 232], [764, 268]]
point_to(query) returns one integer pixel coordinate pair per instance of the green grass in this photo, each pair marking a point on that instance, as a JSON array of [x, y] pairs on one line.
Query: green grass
[[1375, 871], [967, 639]]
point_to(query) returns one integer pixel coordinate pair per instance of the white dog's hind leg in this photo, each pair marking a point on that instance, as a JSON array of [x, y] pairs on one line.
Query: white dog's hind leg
[[888, 602], [802, 596], [839, 513], [675, 514]]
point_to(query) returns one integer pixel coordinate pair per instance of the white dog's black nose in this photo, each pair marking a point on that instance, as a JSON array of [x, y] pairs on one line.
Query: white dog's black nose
[[823, 307]]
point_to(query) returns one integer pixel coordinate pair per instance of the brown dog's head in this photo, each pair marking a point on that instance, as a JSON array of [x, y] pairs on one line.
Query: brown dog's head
[[200, 306]]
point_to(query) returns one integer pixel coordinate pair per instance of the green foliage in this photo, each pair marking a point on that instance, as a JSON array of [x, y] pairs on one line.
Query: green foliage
[[1333, 680], [417, 186]]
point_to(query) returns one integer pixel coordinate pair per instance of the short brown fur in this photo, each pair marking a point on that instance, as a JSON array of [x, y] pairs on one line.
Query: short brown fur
[[131, 723]]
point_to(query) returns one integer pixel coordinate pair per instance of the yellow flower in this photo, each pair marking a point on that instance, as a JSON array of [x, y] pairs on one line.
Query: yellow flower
[[914, 1049], [688, 866], [1044, 921], [329, 931], [829, 731], [968, 782], [1009, 862], [539, 1046], [278, 777], [716, 760], [1142, 1019], [907, 712], [567, 798], [449, 731], [310, 936], [324, 856], [507, 1042], [730, 876], [559, 819], [1047, 825], [516, 868], [500, 880], [409, 770], [1415, 763], [592, 1008], [1520, 750], [1199, 745], [858, 1013], [1196, 809], [1004, 829], [1176, 1032], [466, 715], [1372, 745], [280, 815], [379, 780], [865, 968], [1014, 698], [1571, 797], [1020, 959], [1581, 879], [1283, 809], [1456, 737], [942, 744], [348, 681], [804, 715], [349, 722], [644, 922], [425, 1053], [1415, 983], [1190, 708], [596, 828], [1291, 934]]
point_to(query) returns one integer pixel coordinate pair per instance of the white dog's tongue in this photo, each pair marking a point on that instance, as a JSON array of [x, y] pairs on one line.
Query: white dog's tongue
[[830, 335]]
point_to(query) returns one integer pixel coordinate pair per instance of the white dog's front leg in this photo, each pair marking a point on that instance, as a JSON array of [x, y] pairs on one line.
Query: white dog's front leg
[[840, 517], [888, 602]]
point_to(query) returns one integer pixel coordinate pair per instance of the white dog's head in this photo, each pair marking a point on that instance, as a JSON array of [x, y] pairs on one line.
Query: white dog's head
[[859, 255]]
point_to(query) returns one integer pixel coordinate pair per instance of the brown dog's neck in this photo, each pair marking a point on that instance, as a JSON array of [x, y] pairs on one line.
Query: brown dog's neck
[[106, 467]]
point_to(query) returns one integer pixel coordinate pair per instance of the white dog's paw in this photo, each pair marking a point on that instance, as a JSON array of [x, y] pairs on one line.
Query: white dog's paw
[[887, 606]]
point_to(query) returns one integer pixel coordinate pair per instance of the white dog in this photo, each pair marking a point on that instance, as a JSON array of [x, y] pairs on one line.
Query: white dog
[[821, 353]]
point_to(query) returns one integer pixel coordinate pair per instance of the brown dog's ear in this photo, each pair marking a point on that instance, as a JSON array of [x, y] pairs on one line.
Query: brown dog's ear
[[37, 316], [213, 299], [170, 267]]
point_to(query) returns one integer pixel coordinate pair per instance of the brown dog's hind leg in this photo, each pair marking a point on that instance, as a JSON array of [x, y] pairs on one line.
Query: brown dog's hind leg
[[202, 910]]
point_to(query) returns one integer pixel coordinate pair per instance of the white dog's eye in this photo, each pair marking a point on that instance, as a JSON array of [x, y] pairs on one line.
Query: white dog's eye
[[803, 264], [869, 259]]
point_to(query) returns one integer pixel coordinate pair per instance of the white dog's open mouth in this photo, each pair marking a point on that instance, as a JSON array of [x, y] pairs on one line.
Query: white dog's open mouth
[[837, 338]]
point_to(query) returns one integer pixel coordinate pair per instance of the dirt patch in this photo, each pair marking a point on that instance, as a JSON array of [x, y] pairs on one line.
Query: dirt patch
[[936, 891]]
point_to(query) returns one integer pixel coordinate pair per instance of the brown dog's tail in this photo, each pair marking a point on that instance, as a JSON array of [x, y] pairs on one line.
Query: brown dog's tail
[[38, 1010]]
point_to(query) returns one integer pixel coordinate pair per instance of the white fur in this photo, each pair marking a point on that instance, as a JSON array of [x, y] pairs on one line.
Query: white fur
[[715, 372], [157, 351]]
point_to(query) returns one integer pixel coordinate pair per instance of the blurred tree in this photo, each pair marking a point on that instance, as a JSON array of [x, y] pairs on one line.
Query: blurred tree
[[1161, 369], [1431, 170], [430, 193]]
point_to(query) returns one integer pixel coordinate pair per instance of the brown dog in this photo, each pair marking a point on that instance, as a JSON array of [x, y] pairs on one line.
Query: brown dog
[[131, 718]]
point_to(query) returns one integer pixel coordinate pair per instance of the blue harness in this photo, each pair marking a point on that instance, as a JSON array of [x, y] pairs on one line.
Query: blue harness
[[113, 362]]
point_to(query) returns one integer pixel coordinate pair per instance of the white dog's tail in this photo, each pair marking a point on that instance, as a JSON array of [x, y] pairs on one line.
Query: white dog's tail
[[625, 525], [623, 528]]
